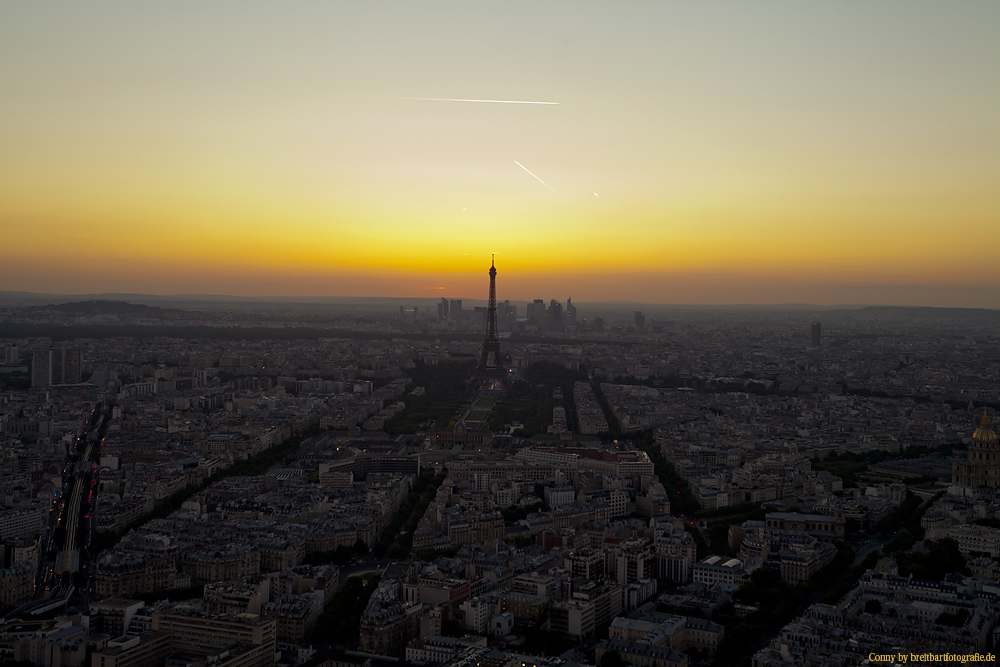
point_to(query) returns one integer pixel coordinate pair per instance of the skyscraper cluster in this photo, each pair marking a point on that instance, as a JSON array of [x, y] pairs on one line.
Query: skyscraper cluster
[[452, 314], [553, 317]]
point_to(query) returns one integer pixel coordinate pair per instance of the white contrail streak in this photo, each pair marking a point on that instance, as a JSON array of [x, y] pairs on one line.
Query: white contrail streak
[[529, 171], [445, 99]]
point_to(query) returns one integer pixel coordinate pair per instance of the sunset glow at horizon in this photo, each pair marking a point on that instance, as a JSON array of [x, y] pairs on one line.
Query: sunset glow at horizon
[[762, 153]]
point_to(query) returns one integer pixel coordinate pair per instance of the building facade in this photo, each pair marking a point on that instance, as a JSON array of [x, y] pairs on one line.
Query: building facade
[[981, 467]]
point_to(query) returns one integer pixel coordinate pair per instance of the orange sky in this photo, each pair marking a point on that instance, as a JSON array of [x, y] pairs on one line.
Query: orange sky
[[728, 153]]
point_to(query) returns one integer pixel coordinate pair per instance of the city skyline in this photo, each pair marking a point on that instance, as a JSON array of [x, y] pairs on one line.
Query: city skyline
[[657, 154]]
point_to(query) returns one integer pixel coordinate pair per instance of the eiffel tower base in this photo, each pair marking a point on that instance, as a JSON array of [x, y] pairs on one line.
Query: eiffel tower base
[[490, 379]]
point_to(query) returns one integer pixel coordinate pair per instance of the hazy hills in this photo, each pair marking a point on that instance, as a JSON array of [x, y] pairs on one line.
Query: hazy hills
[[177, 306]]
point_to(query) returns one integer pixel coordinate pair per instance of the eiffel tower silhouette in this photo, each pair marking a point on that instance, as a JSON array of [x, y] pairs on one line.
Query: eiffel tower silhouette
[[491, 373]]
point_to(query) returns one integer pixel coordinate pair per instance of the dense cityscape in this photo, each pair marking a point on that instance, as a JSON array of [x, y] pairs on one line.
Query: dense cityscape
[[666, 488], [499, 334]]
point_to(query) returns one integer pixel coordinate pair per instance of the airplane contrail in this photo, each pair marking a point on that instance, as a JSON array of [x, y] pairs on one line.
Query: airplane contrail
[[446, 99], [539, 180]]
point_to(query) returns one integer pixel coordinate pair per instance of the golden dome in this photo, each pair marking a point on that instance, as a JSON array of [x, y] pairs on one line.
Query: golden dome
[[984, 433]]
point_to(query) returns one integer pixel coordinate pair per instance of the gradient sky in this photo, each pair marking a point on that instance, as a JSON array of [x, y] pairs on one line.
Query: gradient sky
[[765, 152]]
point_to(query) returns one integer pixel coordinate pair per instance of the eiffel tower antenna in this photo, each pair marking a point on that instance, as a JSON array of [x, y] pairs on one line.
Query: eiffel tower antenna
[[491, 373]]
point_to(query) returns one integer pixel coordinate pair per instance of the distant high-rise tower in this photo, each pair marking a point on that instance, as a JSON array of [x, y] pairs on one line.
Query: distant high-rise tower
[[458, 317], [507, 315], [640, 320], [56, 366], [491, 372], [570, 313], [815, 334], [41, 368], [72, 366], [556, 316]]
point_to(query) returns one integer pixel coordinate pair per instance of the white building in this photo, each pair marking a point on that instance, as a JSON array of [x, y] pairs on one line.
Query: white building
[[558, 496], [18, 524], [502, 624], [477, 614], [720, 570]]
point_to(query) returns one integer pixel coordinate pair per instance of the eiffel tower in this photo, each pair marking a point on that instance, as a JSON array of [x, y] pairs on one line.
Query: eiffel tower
[[491, 374]]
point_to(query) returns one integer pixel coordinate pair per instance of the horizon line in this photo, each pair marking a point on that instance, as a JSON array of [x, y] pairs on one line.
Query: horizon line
[[12, 294]]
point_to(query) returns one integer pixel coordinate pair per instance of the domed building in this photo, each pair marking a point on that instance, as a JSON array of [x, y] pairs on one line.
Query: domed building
[[981, 467]]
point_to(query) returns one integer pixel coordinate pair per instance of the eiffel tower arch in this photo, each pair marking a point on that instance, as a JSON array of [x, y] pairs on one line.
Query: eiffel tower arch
[[491, 373]]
